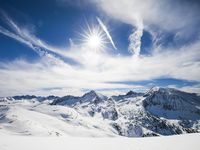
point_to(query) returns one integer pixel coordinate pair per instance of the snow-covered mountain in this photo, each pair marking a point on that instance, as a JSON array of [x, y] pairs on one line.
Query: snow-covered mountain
[[159, 111], [127, 95]]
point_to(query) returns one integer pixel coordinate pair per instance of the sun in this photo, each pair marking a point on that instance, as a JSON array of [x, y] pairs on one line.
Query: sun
[[94, 38], [94, 41]]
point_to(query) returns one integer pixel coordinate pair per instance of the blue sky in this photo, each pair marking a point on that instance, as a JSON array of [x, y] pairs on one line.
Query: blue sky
[[47, 47]]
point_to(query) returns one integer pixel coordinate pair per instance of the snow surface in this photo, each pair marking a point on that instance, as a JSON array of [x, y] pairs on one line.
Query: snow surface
[[177, 142], [39, 119]]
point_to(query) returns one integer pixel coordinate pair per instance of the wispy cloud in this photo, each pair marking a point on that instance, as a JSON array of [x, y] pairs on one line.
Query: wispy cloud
[[135, 39], [179, 17], [106, 31], [166, 14], [24, 36]]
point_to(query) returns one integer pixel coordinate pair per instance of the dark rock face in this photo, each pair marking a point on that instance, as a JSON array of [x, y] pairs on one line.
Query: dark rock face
[[117, 128], [162, 102], [38, 98], [110, 114], [24, 97], [66, 100], [130, 94]]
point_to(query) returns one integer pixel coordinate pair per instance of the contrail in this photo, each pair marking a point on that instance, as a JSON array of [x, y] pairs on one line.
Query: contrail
[[106, 31]]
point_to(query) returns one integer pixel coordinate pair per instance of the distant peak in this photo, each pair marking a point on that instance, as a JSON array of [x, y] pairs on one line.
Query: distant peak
[[160, 89], [91, 95], [91, 92], [152, 90], [155, 88], [163, 90], [131, 93]]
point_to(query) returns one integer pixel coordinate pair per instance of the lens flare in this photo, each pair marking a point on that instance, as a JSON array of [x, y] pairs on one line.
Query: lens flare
[[94, 38], [94, 41]]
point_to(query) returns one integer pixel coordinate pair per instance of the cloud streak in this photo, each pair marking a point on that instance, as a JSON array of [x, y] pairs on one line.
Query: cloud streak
[[25, 37], [106, 31], [135, 39], [179, 17], [166, 14]]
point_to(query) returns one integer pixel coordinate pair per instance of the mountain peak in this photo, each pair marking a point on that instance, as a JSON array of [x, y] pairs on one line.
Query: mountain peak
[[168, 90], [131, 93], [171, 99], [155, 88], [91, 93], [93, 96], [160, 89]]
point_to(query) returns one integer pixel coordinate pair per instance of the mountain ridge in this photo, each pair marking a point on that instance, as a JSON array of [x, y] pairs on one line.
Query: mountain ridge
[[159, 111]]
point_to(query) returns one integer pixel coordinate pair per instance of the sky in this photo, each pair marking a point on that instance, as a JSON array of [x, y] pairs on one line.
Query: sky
[[61, 47]]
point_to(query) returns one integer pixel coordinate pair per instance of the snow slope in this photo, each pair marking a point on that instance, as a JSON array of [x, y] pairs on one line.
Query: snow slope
[[178, 142], [38, 119]]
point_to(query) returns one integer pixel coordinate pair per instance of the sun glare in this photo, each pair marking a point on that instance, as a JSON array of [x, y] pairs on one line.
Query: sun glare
[[94, 39]]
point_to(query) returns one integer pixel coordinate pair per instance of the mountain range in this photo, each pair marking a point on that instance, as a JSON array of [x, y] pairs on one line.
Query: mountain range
[[159, 111]]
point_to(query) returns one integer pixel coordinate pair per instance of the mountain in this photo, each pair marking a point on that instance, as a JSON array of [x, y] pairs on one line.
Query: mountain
[[171, 103], [33, 97], [90, 97], [93, 97], [159, 111], [130, 94], [66, 100]]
